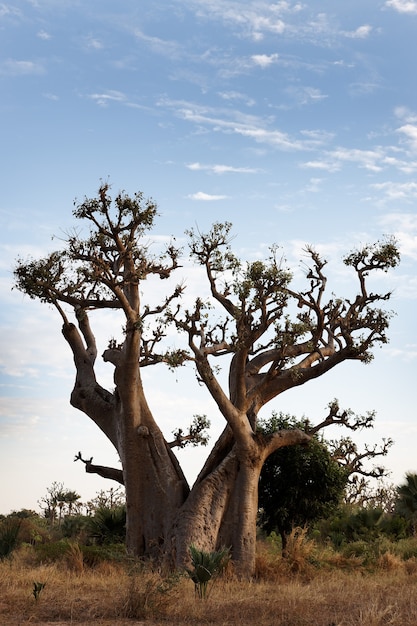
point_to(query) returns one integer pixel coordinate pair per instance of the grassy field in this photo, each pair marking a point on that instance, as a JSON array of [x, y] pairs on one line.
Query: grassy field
[[311, 587]]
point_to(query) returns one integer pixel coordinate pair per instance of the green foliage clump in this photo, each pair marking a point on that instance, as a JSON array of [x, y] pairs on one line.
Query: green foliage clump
[[298, 484], [52, 551], [406, 504], [207, 566], [9, 531], [108, 525]]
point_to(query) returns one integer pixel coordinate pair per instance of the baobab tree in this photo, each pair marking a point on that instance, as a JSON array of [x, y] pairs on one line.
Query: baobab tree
[[272, 337]]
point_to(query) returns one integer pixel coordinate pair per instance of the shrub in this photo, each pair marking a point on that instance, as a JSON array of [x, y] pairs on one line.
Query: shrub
[[9, 531], [108, 525], [52, 551], [207, 566]]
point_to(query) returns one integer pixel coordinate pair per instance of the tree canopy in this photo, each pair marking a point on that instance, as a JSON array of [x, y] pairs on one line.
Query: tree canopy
[[302, 484]]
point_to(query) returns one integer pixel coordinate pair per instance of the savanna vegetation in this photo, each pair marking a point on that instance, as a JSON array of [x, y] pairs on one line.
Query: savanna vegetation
[[367, 580], [357, 565]]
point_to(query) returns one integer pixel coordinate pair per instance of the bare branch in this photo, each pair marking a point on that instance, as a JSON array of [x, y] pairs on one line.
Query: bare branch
[[101, 470]]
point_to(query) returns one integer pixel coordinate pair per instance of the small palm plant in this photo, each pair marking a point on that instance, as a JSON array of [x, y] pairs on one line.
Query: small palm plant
[[207, 566]]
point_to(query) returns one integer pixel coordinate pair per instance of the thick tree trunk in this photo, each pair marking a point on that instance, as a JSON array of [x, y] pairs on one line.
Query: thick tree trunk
[[198, 521], [221, 511], [154, 492], [245, 509]]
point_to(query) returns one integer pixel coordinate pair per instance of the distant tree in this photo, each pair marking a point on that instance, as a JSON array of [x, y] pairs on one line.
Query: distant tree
[[273, 338], [365, 485], [107, 499], [24, 514], [57, 501]]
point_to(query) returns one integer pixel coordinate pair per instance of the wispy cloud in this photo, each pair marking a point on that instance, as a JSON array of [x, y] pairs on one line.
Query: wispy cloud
[[322, 164], [367, 159], [235, 122], [237, 96], [93, 43], [305, 95], [104, 99], [113, 96], [163, 47], [13, 67], [205, 197], [410, 132], [409, 128], [362, 32], [396, 190], [258, 19], [42, 34], [403, 6], [404, 227], [332, 161], [255, 19], [221, 169], [7, 10], [50, 96]]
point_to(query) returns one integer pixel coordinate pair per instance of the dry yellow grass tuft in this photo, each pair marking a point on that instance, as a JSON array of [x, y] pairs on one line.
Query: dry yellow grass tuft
[[281, 595]]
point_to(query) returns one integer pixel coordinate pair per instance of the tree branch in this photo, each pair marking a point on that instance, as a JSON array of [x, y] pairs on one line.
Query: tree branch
[[101, 470]]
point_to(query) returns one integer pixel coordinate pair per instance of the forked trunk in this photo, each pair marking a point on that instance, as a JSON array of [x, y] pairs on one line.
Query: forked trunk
[[221, 512], [198, 521]]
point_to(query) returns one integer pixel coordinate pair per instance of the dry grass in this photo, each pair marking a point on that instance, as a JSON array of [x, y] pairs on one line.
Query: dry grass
[[338, 593]]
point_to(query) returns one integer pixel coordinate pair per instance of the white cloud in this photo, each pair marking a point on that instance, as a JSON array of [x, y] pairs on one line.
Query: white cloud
[[410, 131], [12, 67], [160, 46], [50, 96], [322, 164], [232, 121], [397, 191], [367, 159], [314, 185], [42, 34], [236, 95], [221, 169], [93, 43], [254, 19], [404, 114], [404, 227], [103, 99], [8, 10], [205, 197], [264, 60], [360, 33], [403, 6], [275, 138], [305, 95]]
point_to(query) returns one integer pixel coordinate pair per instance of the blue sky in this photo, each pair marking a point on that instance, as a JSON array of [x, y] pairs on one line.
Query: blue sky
[[295, 121]]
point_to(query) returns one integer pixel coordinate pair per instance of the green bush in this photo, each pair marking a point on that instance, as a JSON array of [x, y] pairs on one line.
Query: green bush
[[93, 555], [52, 551], [75, 526], [406, 548], [108, 525]]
